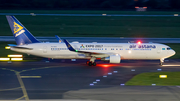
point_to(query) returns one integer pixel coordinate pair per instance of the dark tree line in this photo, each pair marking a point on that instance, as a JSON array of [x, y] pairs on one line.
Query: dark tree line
[[89, 4]]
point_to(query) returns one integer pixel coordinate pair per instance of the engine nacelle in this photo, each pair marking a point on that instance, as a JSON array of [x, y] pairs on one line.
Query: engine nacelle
[[113, 59]]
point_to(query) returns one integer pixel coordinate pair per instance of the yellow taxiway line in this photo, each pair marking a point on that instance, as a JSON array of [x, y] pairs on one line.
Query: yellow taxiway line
[[10, 89], [30, 76], [22, 86]]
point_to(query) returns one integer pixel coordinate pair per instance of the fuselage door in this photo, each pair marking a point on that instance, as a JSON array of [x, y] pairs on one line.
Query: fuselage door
[[158, 50]]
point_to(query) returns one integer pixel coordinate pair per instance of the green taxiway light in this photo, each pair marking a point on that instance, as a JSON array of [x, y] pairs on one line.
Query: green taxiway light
[[76, 50]]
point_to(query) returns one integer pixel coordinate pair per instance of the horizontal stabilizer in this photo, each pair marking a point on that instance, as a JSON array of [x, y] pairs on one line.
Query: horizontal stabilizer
[[22, 48], [12, 45], [21, 34]]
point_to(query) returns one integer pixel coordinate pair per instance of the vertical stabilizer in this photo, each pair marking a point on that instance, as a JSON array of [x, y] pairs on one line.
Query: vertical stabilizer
[[21, 34]]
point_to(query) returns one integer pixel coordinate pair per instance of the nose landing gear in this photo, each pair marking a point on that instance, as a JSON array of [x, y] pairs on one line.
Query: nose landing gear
[[161, 61]]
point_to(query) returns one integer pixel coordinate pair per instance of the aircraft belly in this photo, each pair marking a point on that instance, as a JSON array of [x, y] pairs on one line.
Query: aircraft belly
[[65, 56], [146, 55], [141, 55]]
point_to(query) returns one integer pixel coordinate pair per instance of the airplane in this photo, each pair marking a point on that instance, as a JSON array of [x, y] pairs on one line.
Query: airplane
[[112, 52]]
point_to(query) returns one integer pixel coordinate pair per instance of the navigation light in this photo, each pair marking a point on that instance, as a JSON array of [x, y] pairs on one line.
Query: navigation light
[[139, 42]]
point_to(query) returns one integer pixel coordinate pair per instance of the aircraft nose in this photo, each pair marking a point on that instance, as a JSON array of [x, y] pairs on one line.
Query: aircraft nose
[[173, 52]]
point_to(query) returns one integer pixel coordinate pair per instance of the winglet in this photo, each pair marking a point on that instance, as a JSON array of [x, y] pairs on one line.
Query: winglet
[[69, 46], [58, 38]]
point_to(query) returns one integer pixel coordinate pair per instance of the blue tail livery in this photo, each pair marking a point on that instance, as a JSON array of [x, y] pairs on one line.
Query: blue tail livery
[[21, 34], [58, 38]]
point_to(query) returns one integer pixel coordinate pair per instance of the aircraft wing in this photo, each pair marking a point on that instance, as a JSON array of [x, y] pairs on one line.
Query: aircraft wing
[[95, 54]]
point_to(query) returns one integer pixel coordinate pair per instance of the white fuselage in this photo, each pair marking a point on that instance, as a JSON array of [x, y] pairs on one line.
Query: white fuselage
[[125, 50]]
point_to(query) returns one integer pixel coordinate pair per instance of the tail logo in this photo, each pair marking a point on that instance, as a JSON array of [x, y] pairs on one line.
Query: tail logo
[[18, 29]]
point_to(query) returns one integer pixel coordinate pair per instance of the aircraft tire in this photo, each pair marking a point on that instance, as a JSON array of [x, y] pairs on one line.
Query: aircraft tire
[[90, 64], [94, 64]]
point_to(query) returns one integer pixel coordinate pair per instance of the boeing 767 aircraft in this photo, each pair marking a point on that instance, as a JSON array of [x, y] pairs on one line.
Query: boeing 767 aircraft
[[112, 52]]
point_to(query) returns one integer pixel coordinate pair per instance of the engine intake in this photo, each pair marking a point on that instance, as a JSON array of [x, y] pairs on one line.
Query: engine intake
[[113, 59]]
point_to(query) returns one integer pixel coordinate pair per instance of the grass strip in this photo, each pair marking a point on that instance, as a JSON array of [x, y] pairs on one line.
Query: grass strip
[[147, 79]]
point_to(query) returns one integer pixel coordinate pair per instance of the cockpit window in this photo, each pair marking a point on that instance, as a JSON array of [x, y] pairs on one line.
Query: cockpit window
[[169, 48]]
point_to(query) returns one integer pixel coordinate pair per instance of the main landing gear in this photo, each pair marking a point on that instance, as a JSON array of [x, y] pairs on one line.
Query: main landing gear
[[91, 62]]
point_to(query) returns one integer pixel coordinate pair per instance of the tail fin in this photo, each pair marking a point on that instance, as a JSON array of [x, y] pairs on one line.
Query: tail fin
[[21, 34], [58, 38]]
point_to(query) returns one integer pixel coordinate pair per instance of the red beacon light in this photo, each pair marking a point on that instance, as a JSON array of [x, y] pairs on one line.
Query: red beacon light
[[139, 42]]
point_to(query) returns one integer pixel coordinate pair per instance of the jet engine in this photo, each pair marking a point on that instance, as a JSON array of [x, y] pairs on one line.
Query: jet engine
[[113, 58]]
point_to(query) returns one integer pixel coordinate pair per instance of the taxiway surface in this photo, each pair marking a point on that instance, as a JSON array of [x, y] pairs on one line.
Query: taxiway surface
[[65, 79]]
